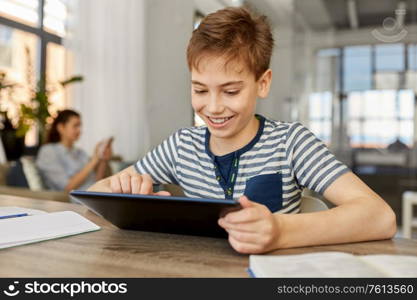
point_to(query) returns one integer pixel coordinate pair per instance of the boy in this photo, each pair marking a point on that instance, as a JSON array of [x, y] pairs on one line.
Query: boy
[[263, 164]]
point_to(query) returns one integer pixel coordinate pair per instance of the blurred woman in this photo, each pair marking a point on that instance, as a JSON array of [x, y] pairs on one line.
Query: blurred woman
[[65, 167]]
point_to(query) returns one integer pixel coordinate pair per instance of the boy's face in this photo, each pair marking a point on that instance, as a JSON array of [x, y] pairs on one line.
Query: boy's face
[[225, 97]]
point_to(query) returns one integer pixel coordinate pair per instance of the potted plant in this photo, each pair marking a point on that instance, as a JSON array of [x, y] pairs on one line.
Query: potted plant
[[36, 112]]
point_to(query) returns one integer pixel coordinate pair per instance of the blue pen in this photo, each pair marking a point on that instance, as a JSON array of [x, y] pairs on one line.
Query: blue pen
[[14, 216]]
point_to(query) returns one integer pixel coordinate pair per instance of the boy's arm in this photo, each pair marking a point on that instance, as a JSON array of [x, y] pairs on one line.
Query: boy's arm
[[360, 215]]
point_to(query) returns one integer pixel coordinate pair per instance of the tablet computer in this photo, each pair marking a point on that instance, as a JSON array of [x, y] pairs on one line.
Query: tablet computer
[[181, 215]]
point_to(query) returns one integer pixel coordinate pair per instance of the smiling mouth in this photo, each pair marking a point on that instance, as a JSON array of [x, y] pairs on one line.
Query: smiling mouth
[[219, 120]]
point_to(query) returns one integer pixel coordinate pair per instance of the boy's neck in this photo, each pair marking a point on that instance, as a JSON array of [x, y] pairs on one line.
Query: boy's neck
[[223, 146]]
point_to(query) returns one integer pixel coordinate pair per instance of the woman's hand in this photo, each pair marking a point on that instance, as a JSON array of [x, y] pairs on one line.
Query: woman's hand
[[107, 153], [253, 229], [96, 154]]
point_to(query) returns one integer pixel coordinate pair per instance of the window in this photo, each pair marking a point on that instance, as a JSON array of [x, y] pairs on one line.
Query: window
[[328, 65], [389, 57], [56, 72], [411, 74], [18, 52], [326, 85], [22, 11], [377, 128], [378, 96], [412, 57], [389, 66], [357, 68], [320, 109], [31, 50], [55, 16]]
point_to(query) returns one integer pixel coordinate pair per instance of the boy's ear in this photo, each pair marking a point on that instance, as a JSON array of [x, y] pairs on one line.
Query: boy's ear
[[264, 83]]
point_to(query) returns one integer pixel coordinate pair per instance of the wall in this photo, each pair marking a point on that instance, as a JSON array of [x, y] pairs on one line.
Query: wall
[[132, 55], [108, 42], [169, 25], [290, 62], [278, 104]]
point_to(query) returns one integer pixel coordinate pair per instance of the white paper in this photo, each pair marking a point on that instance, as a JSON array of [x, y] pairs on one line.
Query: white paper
[[393, 265], [29, 229], [322, 264]]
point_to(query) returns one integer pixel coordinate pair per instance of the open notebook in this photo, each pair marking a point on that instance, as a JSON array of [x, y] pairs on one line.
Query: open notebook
[[39, 226], [332, 264]]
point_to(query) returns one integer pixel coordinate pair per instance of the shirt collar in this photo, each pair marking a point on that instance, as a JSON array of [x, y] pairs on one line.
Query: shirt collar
[[245, 148]]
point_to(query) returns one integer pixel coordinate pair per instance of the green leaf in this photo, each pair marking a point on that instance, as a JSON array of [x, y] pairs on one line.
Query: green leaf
[[73, 79]]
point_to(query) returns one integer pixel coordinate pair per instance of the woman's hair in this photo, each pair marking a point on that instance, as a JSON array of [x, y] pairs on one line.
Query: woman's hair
[[236, 34], [62, 118]]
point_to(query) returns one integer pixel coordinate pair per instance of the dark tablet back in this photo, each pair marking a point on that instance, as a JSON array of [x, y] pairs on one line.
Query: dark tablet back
[[181, 215]]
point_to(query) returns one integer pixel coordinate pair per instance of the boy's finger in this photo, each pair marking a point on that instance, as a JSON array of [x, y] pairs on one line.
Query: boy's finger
[[245, 202], [135, 183], [244, 227], [243, 247], [147, 185], [245, 237], [163, 193], [115, 185], [243, 216], [125, 183]]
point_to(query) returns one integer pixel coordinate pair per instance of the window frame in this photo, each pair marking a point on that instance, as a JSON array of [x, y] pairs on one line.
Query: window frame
[[340, 91], [44, 36]]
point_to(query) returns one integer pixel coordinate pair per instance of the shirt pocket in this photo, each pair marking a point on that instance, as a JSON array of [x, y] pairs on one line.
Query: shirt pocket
[[265, 189]]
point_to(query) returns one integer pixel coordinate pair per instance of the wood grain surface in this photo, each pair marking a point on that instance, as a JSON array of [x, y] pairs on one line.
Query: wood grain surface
[[112, 252]]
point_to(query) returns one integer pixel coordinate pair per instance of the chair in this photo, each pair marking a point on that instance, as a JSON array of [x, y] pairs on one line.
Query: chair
[[26, 191], [311, 204], [409, 199]]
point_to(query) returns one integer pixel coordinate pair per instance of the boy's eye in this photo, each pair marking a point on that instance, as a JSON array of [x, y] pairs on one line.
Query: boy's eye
[[232, 93], [200, 91]]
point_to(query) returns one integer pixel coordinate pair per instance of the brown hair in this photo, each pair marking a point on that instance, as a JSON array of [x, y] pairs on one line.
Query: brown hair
[[62, 118], [236, 34]]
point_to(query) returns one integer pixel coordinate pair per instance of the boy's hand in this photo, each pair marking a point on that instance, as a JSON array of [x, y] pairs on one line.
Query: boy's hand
[[126, 183], [253, 229]]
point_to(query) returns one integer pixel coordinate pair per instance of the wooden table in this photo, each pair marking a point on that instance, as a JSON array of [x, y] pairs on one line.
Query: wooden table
[[112, 252]]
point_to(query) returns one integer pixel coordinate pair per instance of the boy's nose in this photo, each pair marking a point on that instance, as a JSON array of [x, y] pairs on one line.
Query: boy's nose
[[215, 105]]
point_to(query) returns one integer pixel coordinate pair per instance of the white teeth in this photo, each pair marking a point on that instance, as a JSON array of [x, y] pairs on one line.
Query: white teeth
[[219, 121]]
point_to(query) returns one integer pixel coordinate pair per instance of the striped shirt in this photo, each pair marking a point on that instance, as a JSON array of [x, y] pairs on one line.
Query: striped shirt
[[273, 168]]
